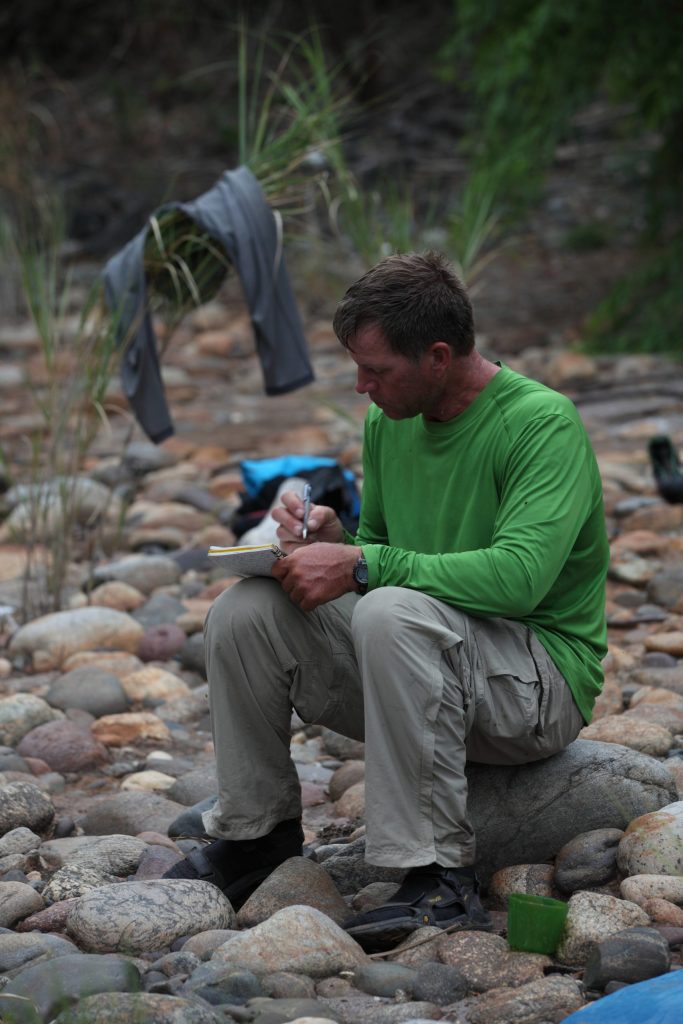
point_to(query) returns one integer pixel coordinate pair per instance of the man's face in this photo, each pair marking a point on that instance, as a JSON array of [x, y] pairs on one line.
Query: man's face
[[401, 387]]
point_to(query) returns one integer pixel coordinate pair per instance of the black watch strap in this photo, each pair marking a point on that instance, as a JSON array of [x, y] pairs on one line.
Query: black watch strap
[[360, 575]]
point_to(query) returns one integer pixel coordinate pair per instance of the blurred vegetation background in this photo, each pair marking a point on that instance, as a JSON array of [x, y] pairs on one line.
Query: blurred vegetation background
[[374, 126]]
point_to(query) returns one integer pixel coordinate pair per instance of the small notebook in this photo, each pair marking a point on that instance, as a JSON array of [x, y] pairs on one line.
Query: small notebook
[[251, 560]]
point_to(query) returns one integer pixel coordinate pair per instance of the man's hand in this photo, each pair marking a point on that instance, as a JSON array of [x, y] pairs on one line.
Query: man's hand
[[323, 524], [317, 573]]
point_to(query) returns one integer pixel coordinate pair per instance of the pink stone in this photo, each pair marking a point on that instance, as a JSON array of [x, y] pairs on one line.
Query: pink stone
[[161, 642], [64, 746]]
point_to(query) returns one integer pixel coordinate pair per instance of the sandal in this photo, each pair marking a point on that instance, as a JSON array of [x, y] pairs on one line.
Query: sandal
[[446, 900]]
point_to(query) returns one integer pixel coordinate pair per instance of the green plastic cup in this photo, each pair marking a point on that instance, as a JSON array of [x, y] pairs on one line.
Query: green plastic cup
[[535, 923]]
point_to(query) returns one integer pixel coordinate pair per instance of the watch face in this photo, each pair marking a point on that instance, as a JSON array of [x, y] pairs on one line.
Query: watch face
[[360, 572]]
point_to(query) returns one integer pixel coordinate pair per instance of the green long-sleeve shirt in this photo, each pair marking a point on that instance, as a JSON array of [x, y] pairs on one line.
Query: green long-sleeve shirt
[[498, 512]]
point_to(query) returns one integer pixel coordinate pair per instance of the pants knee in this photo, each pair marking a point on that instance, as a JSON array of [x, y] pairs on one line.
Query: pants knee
[[381, 615]]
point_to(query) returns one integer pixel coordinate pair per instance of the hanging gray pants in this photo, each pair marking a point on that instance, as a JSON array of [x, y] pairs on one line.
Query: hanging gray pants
[[424, 684]]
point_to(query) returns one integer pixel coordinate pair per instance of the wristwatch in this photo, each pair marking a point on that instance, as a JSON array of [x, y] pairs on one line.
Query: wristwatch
[[360, 575]]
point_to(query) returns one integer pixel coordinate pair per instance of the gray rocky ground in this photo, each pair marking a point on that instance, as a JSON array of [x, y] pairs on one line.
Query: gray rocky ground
[[105, 739]]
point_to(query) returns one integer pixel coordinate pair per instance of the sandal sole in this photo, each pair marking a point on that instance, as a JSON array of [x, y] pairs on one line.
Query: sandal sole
[[379, 936]]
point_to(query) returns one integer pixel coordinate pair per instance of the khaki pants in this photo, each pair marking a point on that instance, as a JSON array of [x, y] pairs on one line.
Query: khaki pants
[[424, 684]]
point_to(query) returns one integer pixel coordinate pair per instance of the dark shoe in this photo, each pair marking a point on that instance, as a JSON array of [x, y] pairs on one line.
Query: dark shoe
[[440, 897], [237, 867], [667, 469]]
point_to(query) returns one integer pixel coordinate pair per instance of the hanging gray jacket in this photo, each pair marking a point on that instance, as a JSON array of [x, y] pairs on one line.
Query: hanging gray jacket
[[234, 212]]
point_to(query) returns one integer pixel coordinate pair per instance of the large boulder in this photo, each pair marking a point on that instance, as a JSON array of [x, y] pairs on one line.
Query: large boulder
[[526, 814]]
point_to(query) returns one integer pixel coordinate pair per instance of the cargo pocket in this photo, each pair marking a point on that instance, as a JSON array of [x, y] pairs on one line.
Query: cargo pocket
[[510, 690]]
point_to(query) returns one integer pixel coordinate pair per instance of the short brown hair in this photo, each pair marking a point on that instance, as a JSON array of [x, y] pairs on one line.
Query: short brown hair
[[415, 299]]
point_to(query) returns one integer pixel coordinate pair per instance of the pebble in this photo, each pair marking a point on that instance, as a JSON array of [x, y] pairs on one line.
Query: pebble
[[667, 678], [592, 917], [355, 1009], [351, 804], [284, 985], [148, 781], [204, 943], [144, 572], [350, 871], [191, 654], [486, 962], [155, 861], [299, 939], [299, 881], [91, 689], [20, 713], [666, 715], [653, 843], [135, 917], [17, 900], [18, 840], [646, 737], [632, 955], [17, 949], [439, 983], [162, 641], [70, 977], [154, 683], [663, 911], [536, 879], [222, 982], [118, 854], [150, 1007], [65, 746], [371, 896], [347, 775], [588, 860], [160, 609], [48, 641], [129, 814], [384, 979], [639, 888], [117, 594], [539, 1002], [647, 696], [420, 947], [195, 786], [119, 663], [50, 920], [666, 587], [24, 805], [668, 643], [142, 457], [130, 727]]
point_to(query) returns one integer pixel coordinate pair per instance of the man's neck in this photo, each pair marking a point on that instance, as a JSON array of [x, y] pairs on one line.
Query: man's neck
[[467, 378]]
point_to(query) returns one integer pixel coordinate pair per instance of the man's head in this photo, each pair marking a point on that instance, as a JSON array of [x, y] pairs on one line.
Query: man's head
[[415, 299]]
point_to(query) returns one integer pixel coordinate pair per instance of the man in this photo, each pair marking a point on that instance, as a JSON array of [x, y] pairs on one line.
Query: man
[[464, 621]]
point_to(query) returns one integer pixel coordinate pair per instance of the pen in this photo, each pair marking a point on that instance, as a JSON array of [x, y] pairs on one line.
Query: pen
[[307, 510]]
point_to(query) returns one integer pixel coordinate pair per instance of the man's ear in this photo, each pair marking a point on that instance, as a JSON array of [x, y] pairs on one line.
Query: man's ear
[[441, 355]]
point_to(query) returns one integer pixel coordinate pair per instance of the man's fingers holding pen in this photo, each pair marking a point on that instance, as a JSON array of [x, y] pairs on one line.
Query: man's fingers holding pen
[[290, 516], [323, 523]]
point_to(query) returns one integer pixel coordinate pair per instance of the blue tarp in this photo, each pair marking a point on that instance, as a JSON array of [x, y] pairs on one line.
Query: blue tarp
[[655, 1001]]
